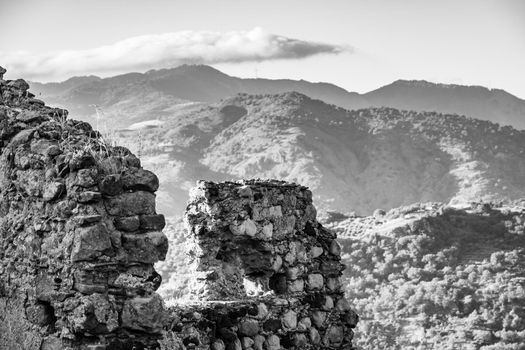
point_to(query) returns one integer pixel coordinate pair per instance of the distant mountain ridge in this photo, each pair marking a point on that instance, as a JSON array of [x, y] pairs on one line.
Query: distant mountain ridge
[[478, 102], [356, 160], [163, 89]]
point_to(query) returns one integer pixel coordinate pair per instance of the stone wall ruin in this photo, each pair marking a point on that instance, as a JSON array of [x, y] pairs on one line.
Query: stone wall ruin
[[265, 234], [79, 235]]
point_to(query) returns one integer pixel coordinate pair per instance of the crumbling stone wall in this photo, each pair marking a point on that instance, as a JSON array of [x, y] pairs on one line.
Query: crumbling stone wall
[[78, 232], [79, 235], [262, 238]]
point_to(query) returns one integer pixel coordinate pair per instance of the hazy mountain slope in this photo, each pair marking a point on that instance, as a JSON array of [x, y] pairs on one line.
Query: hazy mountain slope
[[436, 277], [356, 160], [364, 159], [116, 96], [115, 102], [133, 97], [479, 102]]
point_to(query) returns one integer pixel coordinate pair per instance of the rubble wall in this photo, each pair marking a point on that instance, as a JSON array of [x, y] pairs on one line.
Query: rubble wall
[[78, 232], [258, 247]]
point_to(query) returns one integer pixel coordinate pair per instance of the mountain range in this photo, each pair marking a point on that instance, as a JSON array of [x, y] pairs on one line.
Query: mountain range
[[129, 98], [190, 123], [354, 161]]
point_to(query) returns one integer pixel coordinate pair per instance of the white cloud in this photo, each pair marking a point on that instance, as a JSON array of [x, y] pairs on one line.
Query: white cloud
[[164, 50]]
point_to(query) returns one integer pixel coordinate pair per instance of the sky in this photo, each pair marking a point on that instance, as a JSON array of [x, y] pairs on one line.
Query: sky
[[358, 45]]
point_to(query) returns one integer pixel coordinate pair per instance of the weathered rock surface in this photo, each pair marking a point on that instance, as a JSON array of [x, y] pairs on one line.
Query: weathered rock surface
[[78, 234]]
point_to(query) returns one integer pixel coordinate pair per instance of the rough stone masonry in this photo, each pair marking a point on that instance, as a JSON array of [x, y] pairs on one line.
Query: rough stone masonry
[[79, 235], [262, 237]]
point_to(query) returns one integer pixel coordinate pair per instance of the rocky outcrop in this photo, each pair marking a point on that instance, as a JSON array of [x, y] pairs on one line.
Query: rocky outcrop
[[258, 247], [79, 234]]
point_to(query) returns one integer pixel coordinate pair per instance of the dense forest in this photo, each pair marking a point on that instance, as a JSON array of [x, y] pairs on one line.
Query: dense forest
[[437, 278]]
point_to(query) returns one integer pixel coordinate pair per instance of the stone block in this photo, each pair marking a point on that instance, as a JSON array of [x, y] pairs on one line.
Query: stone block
[[41, 146], [139, 179], [296, 286], [245, 192], [218, 345], [127, 223], [304, 324], [19, 84], [249, 327], [315, 281], [300, 341], [318, 318], [146, 314], [131, 203], [91, 281], [145, 248], [289, 320], [334, 284], [53, 191], [328, 303], [90, 242], [335, 248], [27, 116], [272, 342], [247, 343], [262, 311], [152, 222], [258, 342], [316, 252], [315, 337]]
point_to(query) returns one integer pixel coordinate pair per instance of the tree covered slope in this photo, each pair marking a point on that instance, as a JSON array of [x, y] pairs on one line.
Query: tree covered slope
[[356, 160], [436, 277]]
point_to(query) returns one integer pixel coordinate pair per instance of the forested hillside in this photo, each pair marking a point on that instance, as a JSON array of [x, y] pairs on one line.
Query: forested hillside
[[354, 161], [438, 277]]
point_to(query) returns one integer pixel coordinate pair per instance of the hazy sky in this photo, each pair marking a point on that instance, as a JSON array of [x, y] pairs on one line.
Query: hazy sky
[[358, 45]]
